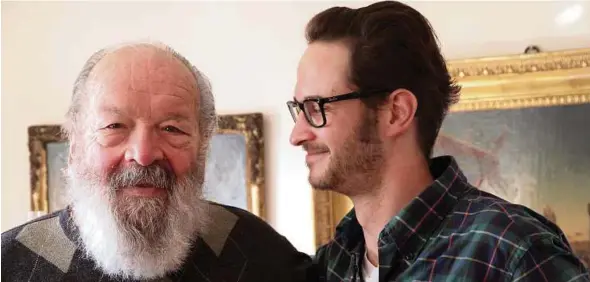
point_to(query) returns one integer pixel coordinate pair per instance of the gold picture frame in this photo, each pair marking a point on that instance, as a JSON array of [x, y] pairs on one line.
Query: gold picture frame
[[492, 83], [248, 126]]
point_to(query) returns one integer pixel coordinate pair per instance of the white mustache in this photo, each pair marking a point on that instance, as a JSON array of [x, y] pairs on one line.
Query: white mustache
[[140, 176]]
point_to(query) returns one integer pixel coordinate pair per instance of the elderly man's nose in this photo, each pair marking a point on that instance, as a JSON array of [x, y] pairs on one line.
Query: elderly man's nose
[[144, 149]]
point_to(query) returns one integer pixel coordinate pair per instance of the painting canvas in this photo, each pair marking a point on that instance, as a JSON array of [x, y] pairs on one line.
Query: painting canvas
[[225, 175], [233, 174], [57, 158], [538, 157]]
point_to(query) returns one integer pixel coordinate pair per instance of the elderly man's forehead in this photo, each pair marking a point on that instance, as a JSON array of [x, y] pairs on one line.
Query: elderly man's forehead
[[140, 60]]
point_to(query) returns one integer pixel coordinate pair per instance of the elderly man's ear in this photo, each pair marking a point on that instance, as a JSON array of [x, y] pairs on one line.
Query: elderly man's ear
[[71, 148]]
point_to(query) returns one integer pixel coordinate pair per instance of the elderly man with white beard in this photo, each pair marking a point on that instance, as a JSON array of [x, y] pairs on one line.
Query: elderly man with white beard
[[139, 126]]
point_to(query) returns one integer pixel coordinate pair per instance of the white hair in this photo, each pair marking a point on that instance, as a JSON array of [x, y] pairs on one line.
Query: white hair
[[116, 248]]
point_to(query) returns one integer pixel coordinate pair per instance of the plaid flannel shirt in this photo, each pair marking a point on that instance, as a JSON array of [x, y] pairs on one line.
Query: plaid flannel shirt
[[455, 232]]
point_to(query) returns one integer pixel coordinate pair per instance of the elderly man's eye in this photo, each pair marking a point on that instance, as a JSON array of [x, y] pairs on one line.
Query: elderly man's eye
[[172, 129], [114, 126]]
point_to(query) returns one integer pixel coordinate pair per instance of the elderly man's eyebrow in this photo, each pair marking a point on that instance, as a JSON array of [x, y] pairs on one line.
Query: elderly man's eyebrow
[[177, 117], [111, 110]]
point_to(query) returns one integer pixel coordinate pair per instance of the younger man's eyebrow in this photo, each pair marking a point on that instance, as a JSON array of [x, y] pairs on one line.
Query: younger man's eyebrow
[[308, 97]]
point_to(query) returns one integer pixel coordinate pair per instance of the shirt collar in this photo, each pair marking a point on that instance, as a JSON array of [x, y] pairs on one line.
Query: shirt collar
[[410, 229]]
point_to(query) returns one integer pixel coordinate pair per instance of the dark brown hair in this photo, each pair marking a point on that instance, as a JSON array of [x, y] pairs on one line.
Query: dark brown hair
[[392, 46]]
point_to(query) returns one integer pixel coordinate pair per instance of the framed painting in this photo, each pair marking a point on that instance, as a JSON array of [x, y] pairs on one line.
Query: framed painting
[[519, 131], [234, 172]]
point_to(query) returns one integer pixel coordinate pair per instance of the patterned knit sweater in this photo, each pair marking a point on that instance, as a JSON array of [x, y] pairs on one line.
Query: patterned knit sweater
[[238, 247]]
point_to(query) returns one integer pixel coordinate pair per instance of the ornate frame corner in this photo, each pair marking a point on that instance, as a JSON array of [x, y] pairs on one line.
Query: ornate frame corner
[[518, 81]]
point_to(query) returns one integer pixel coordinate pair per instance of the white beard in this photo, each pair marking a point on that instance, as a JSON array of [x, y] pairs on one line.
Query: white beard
[[120, 251]]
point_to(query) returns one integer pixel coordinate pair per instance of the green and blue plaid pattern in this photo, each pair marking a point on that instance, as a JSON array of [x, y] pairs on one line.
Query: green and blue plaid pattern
[[455, 232]]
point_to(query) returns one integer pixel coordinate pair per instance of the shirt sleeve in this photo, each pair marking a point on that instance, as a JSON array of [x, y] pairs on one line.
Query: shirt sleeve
[[550, 259]]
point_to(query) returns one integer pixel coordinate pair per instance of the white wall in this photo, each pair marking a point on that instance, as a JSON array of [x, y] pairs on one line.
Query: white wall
[[249, 51]]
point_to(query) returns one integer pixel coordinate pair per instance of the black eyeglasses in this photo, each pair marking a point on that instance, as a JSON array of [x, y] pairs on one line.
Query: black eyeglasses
[[313, 108]]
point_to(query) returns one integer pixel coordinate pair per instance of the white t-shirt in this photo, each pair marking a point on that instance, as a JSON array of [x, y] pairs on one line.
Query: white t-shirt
[[370, 272]]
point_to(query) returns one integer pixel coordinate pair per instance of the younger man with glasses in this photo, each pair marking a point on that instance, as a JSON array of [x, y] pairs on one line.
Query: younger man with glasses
[[372, 91]]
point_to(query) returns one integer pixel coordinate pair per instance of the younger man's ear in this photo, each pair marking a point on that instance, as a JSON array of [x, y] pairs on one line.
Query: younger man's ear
[[401, 107]]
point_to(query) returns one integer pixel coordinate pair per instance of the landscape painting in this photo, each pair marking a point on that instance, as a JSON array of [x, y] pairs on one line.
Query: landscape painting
[[536, 156]]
